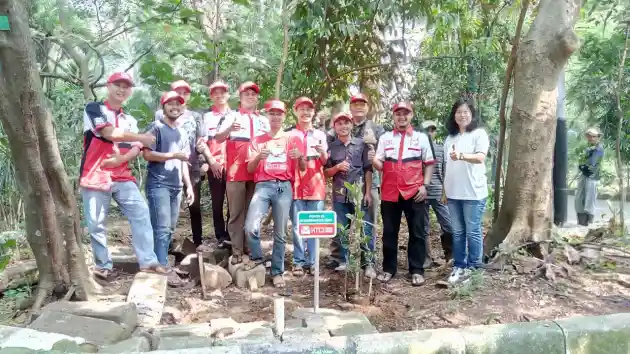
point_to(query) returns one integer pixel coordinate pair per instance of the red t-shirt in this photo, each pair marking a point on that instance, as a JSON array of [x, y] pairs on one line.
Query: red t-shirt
[[310, 184], [236, 147], [278, 165]]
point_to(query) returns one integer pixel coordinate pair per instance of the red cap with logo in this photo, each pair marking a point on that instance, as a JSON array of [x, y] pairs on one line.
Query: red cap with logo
[[359, 97], [340, 116], [402, 105], [218, 84], [247, 86], [180, 84], [170, 96], [120, 76], [276, 105], [303, 100]]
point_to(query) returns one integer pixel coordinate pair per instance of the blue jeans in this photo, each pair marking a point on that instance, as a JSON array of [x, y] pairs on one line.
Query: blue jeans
[[299, 259], [128, 197], [342, 210], [279, 196], [466, 217], [164, 205]]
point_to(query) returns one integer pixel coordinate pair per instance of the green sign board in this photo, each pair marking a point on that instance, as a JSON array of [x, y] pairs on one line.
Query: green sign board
[[4, 23], [317, 224]]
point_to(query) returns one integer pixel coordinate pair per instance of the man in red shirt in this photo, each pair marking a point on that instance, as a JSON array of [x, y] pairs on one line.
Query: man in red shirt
[[273, 160], [214, 156], [401, 155], [111, 140], [240, 129], [309, 187]]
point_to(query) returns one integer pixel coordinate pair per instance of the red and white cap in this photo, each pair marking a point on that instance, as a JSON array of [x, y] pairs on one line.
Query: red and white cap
[[359, 97], [276, 105], [169, 96], [247, 86], [180, 84], [218, 84], [303, 100], [402, 105], [340, 116], [120, 76]]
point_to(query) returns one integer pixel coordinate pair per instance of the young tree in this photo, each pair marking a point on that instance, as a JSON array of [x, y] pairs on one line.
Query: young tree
[[525, 214], [52, 218]]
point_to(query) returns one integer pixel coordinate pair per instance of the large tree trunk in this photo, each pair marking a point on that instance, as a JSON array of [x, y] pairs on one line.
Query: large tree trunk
[[52, 218], [525, 215]]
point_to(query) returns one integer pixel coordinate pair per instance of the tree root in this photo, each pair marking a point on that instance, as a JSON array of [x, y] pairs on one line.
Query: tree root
[[44, 289]]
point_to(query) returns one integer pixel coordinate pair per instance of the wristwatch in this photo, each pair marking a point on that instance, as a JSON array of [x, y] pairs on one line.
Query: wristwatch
[[461, 156]]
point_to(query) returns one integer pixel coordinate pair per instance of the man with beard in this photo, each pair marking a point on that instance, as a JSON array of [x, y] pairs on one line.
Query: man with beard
[[370, 132], [214, 164], [402, 155], [272, 159], [240, 129], [167, 169], [111, 140], [309, 187], [350, 160], [192, 124]]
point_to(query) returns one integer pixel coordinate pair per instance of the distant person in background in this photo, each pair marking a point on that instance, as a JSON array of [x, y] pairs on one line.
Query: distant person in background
[[586, 194], [434, 199], [465, 185]]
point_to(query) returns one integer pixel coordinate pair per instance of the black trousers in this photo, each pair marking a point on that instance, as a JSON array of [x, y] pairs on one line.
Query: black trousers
[[416, 247], [217, 194]]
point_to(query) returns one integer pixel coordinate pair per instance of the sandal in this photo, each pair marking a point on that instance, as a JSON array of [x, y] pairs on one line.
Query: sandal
[[173, 280], [297, 271], [385, 277], [417, 279], [155, 269], [278, 281], [106, 274]]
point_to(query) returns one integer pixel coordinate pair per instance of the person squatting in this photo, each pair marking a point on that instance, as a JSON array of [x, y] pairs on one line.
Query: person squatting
[[255, 165]]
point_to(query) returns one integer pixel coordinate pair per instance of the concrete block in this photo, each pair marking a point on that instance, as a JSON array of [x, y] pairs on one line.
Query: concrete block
[[201, 330], [68, 346], [543, 337], [36, 340], [172, 343], [597, 335], [6, 332], [438, 341], [304, 335], [216, 277], [249, 333], [93, 330], [244, 278], [349, 324], [148, 293], [209, 350], [292, 348], [124, 258], [123, 313], [134, 344]]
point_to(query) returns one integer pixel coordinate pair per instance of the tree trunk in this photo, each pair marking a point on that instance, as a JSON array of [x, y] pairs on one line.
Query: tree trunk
[[52, 217], [620, 114], [285, 48], [525, 215]]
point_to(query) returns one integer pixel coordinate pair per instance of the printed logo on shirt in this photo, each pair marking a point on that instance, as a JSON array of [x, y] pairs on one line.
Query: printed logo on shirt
[[277, 159]]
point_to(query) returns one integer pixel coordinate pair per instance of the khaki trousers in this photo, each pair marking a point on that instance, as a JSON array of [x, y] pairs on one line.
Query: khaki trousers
[[239, 194]]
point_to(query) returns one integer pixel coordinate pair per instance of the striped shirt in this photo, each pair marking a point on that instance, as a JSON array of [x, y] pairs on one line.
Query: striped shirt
[[434, 189]]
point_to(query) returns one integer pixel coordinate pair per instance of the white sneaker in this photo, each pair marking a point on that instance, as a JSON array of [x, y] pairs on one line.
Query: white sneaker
[[458, 274], [341, 267]]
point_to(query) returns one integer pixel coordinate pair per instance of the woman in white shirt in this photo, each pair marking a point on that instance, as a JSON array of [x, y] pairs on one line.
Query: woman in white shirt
[[465, 186]]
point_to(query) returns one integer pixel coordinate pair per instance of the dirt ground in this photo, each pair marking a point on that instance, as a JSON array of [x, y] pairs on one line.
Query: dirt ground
[[492, 296]]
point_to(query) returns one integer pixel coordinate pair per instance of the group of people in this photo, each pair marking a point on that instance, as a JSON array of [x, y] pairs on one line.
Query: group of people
[[256, 165]]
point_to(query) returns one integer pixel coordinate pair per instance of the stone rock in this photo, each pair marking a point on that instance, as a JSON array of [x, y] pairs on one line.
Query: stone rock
[[573, 256], [148, 293], [251, 279], [131, 345], [123, 313], [191, 264], [543, 337], [216, 277], [249, 333], [437, 341], [221, 256], [35, 340], [68, 346], [184, 342], [293, 335], [201, 330], [93, 330], [349, 324], [596, 335]]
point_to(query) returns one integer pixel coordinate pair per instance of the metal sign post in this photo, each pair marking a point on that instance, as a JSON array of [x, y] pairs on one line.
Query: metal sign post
[[317, 225]]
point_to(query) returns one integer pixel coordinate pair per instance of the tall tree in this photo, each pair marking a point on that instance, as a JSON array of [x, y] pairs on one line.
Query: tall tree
[[52, 218], [525, 215]]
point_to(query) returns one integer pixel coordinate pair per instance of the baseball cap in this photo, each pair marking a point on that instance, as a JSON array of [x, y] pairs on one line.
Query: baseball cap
[[218, 84], [249, 85], [402, 105], [275, 105], [358, 98], [428, 124], [340, 116], [169, 96], [179, 84], [120, 76], [592, 132], [303, 100]]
